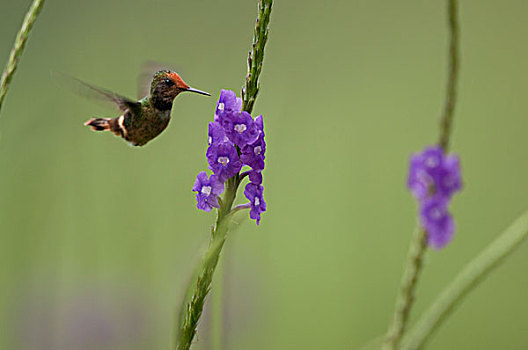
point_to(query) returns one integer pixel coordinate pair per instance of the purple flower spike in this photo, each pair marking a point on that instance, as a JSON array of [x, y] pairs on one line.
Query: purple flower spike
[[208, 191], [228, 103], [223, 160], [216, 133], [255, 177], [253, 192], [437, 222], [240, 128], [433, 179]]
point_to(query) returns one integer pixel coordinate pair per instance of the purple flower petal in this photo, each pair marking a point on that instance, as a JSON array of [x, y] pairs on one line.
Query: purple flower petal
[[227, 103], [216, 133], [240, 128], [255, 177], [260, 124], [208, 191], [223, 160], [254, 154], [254, 193]]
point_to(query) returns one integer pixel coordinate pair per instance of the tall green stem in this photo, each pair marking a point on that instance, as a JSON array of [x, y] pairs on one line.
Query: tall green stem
[[418, 245], [192, 310], [18, 48], [256, 55]]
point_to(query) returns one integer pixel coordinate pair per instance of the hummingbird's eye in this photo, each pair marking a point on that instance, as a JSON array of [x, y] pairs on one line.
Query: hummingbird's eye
[[169, 82]]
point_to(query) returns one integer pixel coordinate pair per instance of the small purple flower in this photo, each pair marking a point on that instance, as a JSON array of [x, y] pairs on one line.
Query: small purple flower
[[208, 191], [255, 177], [216, 133], [254, 154], [437, 221], [228, 103], [223, 160], [260, 124], [240, 128], [253, 192]]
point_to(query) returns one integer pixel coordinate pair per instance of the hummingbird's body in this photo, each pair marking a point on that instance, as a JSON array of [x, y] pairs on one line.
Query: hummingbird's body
[[145, 119]]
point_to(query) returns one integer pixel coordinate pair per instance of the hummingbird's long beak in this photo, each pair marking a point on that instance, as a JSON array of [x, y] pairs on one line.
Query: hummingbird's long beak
[[198, 91]]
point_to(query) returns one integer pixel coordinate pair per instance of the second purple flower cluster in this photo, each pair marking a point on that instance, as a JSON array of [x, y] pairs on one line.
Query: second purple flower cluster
[[433, 179], [235, 140]]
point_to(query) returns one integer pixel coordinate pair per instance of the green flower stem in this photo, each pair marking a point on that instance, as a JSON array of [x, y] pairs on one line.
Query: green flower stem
[[194, 308], [256, 55], [18, 47], [407, 288], [418, 244], [191, 312], [466, 280], [446, 121]]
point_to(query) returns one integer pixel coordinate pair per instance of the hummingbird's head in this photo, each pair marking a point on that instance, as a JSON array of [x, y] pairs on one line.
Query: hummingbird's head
[[166, 85]]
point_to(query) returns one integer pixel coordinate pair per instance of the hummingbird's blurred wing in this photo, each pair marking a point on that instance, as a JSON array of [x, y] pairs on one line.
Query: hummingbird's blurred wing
[[92, 91]]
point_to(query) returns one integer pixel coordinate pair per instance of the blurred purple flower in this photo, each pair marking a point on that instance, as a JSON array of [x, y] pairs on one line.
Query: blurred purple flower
[[208, 191], [437, 221], [433, 179], [432, 173]]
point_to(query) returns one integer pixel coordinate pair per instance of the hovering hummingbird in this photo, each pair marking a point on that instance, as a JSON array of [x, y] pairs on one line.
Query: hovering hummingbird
[[145, 119]]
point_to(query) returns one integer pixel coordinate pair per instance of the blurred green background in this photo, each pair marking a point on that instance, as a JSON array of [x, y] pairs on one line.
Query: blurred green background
[[98, 238]]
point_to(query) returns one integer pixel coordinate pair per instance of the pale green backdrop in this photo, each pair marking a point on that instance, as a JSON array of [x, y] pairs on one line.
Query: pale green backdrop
[[97, 239]]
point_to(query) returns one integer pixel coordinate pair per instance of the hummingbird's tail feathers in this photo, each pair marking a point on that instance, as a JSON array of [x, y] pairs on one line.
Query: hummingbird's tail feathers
[[99, 124], [114, 125]]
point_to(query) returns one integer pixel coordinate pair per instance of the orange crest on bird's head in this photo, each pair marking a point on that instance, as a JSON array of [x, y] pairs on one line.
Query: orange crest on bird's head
[[177, 80]]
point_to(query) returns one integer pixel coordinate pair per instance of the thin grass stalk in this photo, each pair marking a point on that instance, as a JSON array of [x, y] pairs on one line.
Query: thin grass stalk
[[18, 48]]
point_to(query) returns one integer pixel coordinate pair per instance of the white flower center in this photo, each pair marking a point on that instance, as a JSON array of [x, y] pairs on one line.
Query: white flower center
[[257, 150], [240, 128], [206, 190], [210, 140], [431, 162], [223, 160], [221, 106], [257, 201]]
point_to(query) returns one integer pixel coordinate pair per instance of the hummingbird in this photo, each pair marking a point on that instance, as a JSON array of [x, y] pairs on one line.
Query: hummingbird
[[144, 119]]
